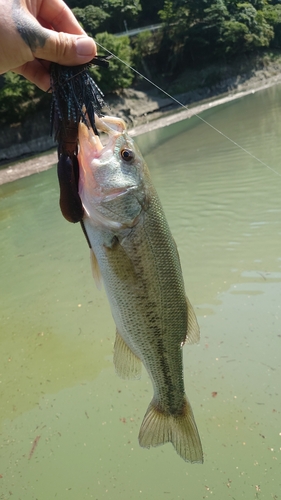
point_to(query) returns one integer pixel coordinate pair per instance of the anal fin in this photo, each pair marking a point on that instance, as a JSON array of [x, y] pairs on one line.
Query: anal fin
[[127, 364], [193, 331]]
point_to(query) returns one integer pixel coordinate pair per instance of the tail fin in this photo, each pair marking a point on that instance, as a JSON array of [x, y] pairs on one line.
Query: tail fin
[[158, 428]]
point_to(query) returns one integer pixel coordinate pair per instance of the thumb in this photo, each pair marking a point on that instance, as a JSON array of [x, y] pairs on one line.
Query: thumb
[[66, 49]]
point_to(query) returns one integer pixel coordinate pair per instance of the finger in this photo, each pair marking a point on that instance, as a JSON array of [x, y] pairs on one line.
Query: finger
[[60, 17], [36, 73], [52, 46], [64, 48]]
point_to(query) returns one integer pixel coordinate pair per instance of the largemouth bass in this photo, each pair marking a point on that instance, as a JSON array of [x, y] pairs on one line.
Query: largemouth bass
[[134, 253]]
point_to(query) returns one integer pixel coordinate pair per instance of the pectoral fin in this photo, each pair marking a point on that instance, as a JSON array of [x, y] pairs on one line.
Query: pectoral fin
[[193, 332], [96, 270], [121, 264], [127, 364]]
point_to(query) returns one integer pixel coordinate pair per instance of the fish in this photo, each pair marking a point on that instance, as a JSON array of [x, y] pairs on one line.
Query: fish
[[135, 256]]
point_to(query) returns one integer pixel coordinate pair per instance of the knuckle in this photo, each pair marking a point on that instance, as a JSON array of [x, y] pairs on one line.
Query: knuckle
[[64, 46]]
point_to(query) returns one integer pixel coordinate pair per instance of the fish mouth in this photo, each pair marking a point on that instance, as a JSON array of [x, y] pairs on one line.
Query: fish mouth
[[110, 127], [94, 186]]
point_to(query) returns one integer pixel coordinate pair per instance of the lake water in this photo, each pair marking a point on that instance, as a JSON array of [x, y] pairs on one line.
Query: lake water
[[68, 425]]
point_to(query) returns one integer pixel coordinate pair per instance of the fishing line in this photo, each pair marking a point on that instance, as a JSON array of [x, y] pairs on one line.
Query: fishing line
[[195, 114]]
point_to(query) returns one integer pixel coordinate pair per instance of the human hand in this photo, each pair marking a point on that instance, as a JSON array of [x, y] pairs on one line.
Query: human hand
[[34, 33]]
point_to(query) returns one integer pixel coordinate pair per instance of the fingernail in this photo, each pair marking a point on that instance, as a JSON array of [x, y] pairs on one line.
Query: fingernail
[[85, 46]]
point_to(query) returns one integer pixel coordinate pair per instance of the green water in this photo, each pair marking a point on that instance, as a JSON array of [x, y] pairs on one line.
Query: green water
[[57, 379]]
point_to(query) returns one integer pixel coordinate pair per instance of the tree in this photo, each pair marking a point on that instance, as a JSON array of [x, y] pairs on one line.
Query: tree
[[121, 12], [272, 14], [116, 11], [204, 29], [176, 23], [93, 19], [149, 13], [16, 98], [145, 53], [118, 75], [247, 30]]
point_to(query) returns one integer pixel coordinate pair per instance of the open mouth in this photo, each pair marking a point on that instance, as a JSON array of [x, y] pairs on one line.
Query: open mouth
[[93, 154], [110, 128]]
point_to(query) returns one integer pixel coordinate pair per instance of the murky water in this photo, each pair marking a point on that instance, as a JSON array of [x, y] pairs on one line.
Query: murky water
[[57, 379]]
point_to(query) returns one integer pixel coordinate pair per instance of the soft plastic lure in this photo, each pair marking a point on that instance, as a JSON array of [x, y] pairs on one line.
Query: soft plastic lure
[[75, 97]]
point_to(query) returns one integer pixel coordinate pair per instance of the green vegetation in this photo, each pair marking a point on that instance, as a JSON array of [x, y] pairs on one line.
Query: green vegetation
[[202, 31], [19, 99], [195, 34], [119, 76]]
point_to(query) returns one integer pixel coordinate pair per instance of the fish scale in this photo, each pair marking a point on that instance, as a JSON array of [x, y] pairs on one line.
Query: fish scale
[[139, 263]]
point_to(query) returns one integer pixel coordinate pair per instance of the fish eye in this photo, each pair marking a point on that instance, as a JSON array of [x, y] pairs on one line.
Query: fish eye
[[127, 154]]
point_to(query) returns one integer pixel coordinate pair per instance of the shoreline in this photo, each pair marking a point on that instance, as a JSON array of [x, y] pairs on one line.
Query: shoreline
[[188, 112], [154, 120]]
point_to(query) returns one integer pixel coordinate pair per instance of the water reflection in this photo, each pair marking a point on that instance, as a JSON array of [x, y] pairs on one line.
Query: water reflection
[[56, 373]]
